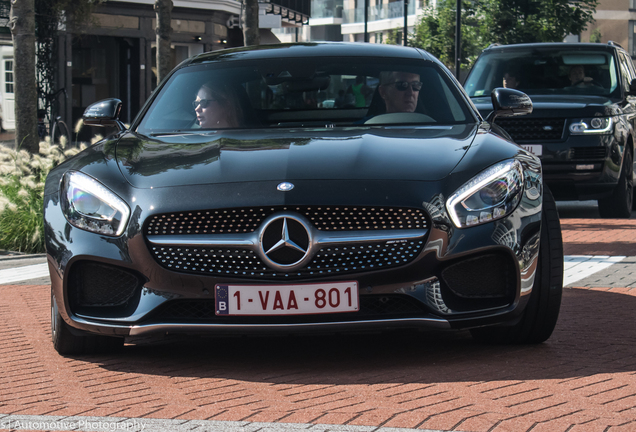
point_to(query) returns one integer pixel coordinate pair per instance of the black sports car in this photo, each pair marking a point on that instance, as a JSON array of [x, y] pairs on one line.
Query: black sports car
[[312, 187]]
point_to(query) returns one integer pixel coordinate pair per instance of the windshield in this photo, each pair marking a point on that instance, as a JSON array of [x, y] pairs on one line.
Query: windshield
[[534, 71], [305, 92]]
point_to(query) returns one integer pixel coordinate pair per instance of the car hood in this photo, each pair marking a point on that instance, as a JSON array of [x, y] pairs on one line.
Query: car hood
[[362, 153], [556, 105]]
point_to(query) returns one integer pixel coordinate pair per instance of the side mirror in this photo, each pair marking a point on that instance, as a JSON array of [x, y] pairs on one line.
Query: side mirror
[[632, 88], [508, 103], [104, 113]]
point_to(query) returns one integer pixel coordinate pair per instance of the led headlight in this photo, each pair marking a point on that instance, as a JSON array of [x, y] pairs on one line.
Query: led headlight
[[491, 195], [89, 205], [594, 125]]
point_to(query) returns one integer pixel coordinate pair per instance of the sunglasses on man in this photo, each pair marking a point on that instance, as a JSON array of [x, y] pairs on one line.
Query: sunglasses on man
[[403, 85]]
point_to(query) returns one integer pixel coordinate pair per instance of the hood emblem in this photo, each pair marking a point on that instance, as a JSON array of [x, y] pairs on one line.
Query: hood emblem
[[285, 186], [285, 242], [547, 128]]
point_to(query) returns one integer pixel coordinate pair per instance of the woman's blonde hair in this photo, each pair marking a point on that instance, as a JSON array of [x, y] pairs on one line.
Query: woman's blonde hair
[[226, 96]]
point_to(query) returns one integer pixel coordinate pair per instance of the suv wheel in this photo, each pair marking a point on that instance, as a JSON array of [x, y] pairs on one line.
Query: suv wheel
[[542, 311], [619, 204]]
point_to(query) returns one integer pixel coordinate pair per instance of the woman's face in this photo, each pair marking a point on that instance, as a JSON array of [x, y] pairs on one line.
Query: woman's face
[[209, 112]]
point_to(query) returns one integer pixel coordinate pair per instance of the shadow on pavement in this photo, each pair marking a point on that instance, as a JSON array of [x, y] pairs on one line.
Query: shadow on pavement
[[595, 334]]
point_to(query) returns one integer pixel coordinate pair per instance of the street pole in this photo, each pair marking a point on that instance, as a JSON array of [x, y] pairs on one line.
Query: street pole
[[458, 38], [366, 20], [406, 21]]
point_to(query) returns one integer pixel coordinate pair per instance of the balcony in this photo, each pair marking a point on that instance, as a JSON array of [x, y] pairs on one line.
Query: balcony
[[326, 9], [379, 12]]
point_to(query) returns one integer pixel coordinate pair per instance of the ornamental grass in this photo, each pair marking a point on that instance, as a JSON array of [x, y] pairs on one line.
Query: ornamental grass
[[22, 177]]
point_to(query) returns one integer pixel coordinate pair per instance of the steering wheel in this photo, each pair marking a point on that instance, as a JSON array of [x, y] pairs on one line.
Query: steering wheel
[[593, 83]]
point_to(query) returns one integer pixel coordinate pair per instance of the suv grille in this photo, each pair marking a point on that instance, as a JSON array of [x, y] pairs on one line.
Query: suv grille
[[533, 129], [243, 220]]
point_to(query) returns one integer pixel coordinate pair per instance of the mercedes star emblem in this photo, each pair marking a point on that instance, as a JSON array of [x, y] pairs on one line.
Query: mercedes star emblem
[[285, 186], [285, 241]]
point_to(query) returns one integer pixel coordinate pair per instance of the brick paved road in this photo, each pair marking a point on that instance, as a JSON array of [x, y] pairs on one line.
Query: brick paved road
[[582, 380]]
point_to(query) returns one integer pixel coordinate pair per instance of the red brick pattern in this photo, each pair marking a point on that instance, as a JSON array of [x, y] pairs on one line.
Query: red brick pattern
[[616, 237], [582, 380]]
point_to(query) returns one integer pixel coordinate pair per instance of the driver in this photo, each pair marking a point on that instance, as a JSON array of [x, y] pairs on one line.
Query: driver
[[400, 91], [578, 78]]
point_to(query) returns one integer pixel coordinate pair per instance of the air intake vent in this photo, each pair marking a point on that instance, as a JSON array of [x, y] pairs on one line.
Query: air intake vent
[[588, 153], [101, 285]]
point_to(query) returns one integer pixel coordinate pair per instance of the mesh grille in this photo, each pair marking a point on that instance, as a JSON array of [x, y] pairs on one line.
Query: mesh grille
[[533, 129], [588, 153], [96, 284], [244, 220], [245, 263], [370, 306]]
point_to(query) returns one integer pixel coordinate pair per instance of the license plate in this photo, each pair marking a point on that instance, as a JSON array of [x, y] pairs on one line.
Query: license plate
[[536, 150], [300, 299]]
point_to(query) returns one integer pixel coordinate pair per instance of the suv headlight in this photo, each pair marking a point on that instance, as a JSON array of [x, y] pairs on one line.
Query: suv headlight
[[89, 205], [594, 125], [491, 195]]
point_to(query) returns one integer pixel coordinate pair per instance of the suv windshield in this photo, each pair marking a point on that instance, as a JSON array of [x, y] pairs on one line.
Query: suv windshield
[[305, 92], [545, 71]]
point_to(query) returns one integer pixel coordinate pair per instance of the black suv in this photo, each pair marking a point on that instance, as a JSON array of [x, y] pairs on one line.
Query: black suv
[[582, 125]]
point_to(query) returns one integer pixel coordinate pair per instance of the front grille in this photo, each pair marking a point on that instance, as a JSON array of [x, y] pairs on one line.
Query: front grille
[[100, 285], [533, 129], [329, 260], [245, 220], [202, 311], [588, 153]]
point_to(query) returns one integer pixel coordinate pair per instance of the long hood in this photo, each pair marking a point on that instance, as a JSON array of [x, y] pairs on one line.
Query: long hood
[[427, 154], [558, 105]]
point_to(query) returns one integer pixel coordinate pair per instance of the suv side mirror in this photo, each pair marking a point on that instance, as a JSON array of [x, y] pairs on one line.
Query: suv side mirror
[[104, 113], [508, 103], [631, 91]]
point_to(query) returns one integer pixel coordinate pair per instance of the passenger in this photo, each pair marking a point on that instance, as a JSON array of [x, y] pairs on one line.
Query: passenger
[[216, 106], [510, 80], [400, 91], [578, 78]]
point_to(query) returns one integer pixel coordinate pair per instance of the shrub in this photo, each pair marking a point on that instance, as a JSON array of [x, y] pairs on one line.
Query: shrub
[[22, 177]]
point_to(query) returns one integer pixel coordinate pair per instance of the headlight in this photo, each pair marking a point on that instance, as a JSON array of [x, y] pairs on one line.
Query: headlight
[[489, 196], [594, 125], [89, 205]]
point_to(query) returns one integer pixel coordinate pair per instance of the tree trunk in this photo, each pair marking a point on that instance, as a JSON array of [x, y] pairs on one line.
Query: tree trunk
[[22, 25], [163, 8], [250, 23]]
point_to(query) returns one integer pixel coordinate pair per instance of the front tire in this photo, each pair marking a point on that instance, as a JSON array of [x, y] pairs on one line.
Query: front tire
[[66, 342], [542, 311], [619, 205]]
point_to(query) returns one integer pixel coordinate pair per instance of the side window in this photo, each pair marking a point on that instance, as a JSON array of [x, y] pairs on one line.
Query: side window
[[630, 66], [625, 72]]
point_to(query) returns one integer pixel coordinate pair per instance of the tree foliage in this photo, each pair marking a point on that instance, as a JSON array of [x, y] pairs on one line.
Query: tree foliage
[[436, 32], [524, 21], [498, 21]]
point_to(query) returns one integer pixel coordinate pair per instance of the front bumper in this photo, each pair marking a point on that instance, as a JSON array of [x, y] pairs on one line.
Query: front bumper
[[456, 279]]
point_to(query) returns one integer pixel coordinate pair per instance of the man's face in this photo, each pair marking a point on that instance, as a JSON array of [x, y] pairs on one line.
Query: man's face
[[510, 81], [397, 100], [577, 74]]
